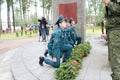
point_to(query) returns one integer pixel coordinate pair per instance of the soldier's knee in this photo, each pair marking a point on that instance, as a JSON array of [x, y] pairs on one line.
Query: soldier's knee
[[56, 65], [70, 47]]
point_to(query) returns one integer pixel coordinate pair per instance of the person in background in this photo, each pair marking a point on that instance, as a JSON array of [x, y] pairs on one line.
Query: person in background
[[43, 28]]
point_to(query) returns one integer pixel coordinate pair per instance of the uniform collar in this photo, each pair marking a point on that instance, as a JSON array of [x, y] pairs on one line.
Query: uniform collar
[[60, 27]]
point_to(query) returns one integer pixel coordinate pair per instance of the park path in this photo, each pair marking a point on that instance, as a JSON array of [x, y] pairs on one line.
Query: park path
[[96, 65], [23, 64], [6, 48], [6, 45]]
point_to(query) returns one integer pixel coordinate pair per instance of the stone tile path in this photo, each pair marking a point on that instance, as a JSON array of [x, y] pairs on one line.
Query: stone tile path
[[25, 62], [96, 65]]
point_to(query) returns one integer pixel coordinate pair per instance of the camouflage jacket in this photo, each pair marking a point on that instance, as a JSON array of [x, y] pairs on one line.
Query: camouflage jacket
[[113, 15]]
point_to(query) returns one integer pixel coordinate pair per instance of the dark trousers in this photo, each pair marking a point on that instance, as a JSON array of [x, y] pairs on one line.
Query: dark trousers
[[43, 33], [67, 48], [78, 39]]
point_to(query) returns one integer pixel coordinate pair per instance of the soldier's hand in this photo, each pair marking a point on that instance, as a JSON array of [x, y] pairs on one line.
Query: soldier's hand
[[54, 59], [106, 2], [75, 45], [73, 49]]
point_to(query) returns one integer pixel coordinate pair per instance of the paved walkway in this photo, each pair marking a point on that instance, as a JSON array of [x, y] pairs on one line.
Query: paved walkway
[[5, 69], [7, 48], [7, 45], [96, 65], [25, 62]]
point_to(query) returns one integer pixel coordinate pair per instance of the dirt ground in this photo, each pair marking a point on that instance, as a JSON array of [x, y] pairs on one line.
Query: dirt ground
[[6, 45]]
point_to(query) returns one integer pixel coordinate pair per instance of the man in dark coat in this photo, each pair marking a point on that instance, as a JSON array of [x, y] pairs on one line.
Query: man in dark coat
[[43, 28]]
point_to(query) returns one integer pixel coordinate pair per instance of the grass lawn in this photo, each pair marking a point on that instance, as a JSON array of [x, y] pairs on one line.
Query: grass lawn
[[18, 35], [97, 30], [14, 36]]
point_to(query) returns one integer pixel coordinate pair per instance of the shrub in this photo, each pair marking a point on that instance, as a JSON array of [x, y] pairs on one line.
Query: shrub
[[30, 33], [25, 32], [17, 34], [69, 69], [21, 33]]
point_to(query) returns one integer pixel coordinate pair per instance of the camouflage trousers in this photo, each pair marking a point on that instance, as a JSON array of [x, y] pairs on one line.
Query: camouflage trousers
[[114, 52]]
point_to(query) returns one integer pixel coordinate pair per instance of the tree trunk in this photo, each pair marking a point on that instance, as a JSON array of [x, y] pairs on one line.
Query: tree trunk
[[13, 15], [24, 17], [47, 13], [95, 18], [23, 13], [8, 14], [43, 7], [31, 14], [36, 10], [0, 22], [21, 16], [29, 18]]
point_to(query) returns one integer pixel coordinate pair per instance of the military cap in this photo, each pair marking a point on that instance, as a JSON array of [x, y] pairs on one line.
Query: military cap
[[71, 19], [66, 20], [60, 19]]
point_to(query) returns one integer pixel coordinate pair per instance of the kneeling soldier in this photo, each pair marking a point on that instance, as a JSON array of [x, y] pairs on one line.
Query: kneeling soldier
[[56, 46], [68, 39], [73, 33]]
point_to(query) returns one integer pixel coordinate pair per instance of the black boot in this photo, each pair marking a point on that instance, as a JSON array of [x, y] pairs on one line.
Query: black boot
[[63, 61], [46, 52], [41, 59]]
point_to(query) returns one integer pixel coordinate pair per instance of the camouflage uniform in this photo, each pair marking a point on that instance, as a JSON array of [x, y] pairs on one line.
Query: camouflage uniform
[[113, 32]]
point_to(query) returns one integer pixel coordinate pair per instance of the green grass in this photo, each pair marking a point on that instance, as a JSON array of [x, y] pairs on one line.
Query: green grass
[[14, 36], [97, 30], [18, 35]]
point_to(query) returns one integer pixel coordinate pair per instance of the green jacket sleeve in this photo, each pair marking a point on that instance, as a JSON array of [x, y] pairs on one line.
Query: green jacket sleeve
[[56, 45], [69, 39], [114, 7], [75, 35]]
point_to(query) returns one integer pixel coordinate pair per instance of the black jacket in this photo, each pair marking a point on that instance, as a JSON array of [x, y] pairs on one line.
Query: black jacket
[[43, 22]]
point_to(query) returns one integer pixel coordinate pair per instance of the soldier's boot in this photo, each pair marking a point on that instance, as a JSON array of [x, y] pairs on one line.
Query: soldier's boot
[[63, 61], [41, 60], [46, 52]]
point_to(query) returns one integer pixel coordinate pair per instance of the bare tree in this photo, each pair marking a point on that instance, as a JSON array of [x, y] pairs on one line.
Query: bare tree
[[46, 5], [1, 1], [13, 16], [8, 13]]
